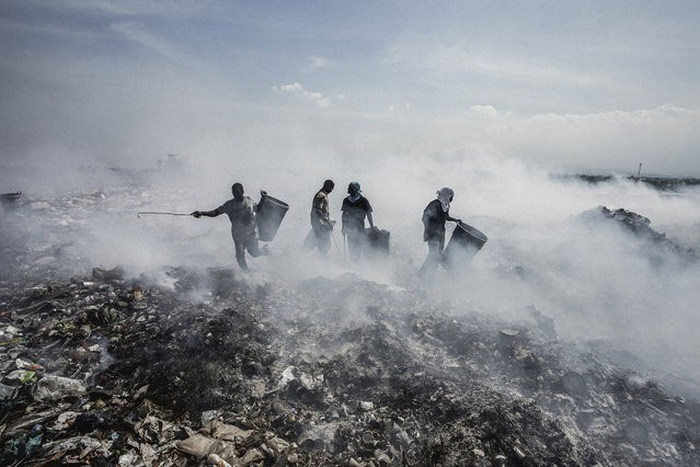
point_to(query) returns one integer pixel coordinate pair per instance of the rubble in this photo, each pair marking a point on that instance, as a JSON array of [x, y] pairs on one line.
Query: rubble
[[100, 368], [640, 226], [57, 387]]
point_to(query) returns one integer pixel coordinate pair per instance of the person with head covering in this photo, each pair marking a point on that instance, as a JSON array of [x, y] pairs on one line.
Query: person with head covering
[[435, 215], [321, 223], [241, 212], [355, 209]]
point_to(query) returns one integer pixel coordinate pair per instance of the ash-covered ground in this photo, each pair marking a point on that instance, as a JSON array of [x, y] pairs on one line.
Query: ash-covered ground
[[193, 363]]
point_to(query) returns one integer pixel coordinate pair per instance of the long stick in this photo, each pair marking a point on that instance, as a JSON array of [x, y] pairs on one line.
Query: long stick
[[161, 213], [335, 243]]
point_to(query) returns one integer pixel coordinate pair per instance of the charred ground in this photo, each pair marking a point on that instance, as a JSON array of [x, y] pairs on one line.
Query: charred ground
[[103, 368]]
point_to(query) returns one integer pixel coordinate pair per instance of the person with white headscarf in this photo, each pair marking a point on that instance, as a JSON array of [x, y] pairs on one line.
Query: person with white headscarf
[[435, 215]]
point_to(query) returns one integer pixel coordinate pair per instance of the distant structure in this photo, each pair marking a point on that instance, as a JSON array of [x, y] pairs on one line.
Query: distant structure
[[172, 162], [639, 171]]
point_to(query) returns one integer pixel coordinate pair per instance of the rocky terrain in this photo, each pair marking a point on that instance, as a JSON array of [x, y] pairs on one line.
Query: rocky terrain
[[100, 367]]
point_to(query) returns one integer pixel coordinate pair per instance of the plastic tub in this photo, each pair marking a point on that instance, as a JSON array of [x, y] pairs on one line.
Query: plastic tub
[[271, 211], [466, 241]]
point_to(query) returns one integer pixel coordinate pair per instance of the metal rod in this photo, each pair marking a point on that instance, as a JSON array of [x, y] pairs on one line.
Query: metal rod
[[335, 243], [161, 213]]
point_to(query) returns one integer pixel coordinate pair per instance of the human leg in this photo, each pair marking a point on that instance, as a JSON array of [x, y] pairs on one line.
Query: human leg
[[240, 254], [253, 247], [354, 245], [323, 240], [435, 257]]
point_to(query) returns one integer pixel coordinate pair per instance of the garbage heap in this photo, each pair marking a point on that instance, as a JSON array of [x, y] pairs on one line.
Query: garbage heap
[[209, 367], [109, 370], [656, 245]]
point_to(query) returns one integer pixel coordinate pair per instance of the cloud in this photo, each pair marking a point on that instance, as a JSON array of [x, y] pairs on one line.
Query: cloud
[[441, 59], [108, 8], [44, 29], [664, 138], [484, 109], [294, 87], [298, 89], [319, 62], [135, 33]]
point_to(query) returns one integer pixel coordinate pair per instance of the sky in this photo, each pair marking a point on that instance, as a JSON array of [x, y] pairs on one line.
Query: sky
[[564, 85]]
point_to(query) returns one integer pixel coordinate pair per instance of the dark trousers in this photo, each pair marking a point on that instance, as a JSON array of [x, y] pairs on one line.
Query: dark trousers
[[436, 256], [356, 243], [243, 244], [323, 239]]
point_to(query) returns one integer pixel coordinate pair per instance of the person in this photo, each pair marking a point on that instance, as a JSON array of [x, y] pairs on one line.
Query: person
[[241, 212], [355, 209], [321, 223], [435, 215]]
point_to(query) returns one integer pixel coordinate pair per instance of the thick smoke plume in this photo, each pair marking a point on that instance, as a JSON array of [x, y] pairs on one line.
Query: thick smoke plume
[[599, 282]]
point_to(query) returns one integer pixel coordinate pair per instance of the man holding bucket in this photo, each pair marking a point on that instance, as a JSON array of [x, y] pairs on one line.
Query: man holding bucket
[[241, 212], [435, 215]]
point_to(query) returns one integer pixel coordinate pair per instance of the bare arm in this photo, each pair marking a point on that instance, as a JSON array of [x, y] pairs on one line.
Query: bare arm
[[212, 213], [370, 220]]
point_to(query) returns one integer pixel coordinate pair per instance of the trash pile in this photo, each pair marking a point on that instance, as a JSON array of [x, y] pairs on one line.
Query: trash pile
[[108, 370], [213, 368], [640, 226]]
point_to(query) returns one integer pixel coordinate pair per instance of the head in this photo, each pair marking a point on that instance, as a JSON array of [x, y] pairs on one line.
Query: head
[[237, 190], [328, 186], [446, 194], [354, 189]]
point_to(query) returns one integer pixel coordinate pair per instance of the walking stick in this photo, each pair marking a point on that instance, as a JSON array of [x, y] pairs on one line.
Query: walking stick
[[335, 243], [160, 213]]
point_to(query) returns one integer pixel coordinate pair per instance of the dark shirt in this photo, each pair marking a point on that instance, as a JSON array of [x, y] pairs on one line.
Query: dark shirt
[[434, 219], [242, 217], [354, 214]]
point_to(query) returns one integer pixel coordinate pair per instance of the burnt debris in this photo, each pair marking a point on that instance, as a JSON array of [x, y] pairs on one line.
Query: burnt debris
[[656, 244], [115, 371], [102, 368]]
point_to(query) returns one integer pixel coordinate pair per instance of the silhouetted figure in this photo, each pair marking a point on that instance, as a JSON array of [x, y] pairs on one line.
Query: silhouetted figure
[[321, 223], [435, 215], [355, 209], [241, 212]]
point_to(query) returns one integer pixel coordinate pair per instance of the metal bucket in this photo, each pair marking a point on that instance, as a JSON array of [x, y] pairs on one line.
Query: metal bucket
[[10, 200], [465, 242], [271, 211]]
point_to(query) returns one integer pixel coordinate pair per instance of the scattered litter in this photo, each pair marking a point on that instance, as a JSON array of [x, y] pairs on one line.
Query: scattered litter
[[100, 368]]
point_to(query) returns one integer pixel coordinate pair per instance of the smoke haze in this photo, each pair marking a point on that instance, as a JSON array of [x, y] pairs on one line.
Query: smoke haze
[[460, 101], [598, 281]]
